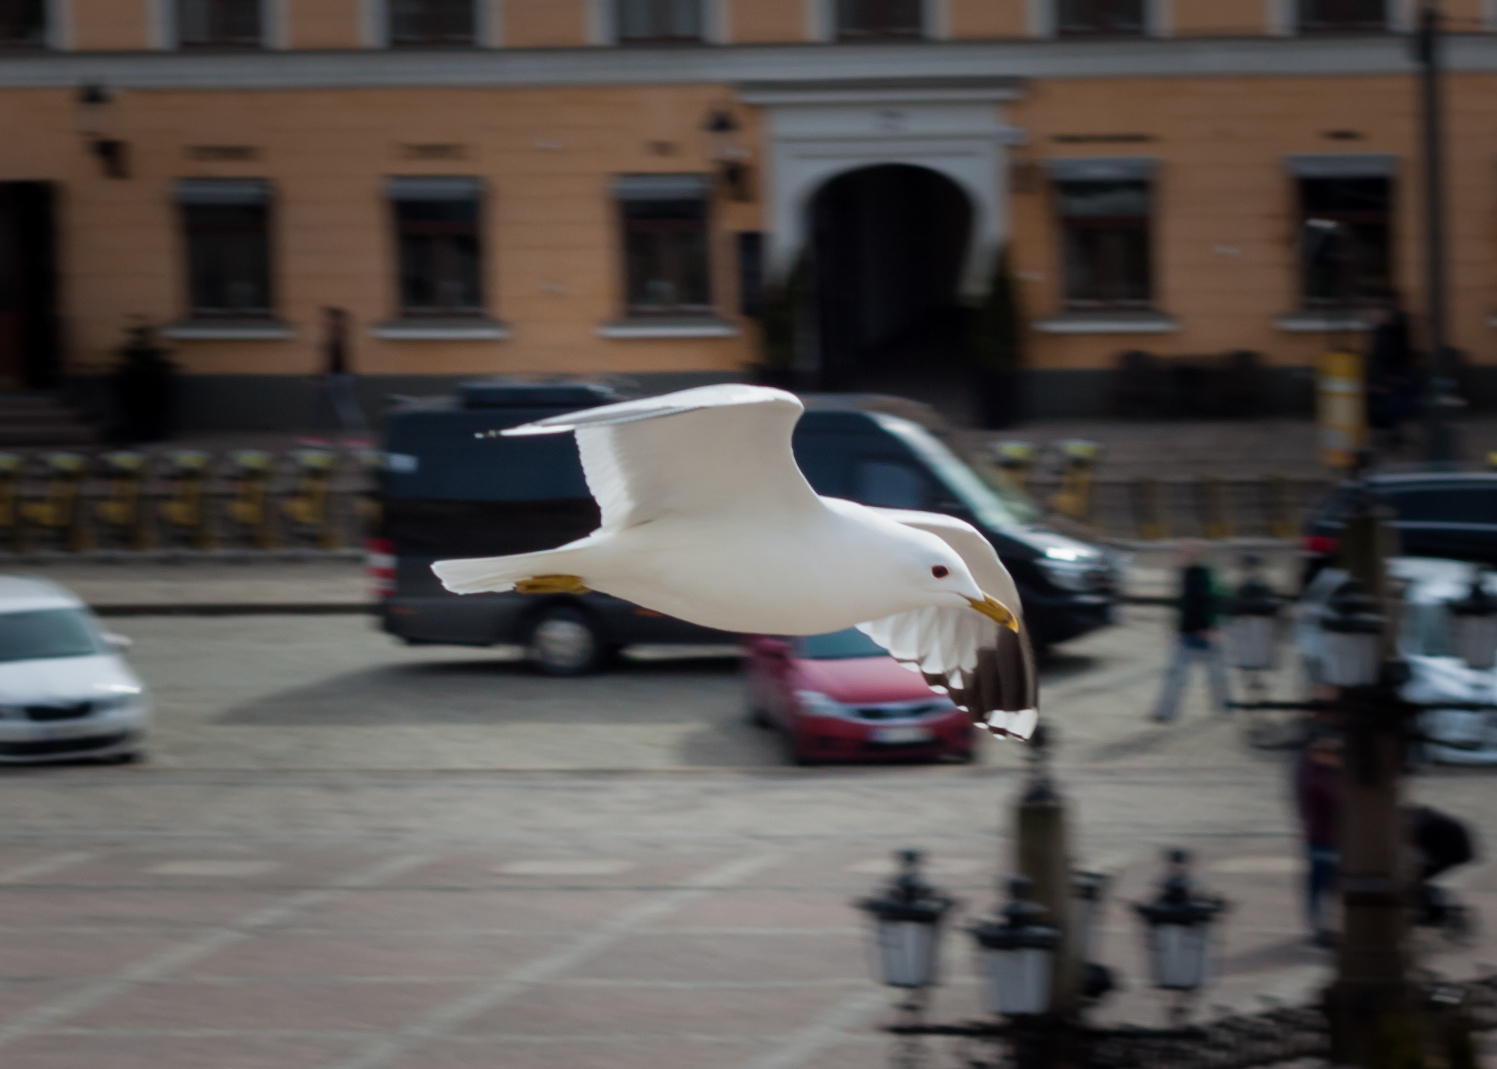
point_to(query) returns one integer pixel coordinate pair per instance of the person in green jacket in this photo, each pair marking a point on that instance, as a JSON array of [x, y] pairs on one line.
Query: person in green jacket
[[1196, 639]]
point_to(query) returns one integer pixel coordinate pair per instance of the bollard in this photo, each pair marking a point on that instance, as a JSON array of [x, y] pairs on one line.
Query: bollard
[[59, 509], [1079, 460], [1148, 510], [307, 508], [1014, 461], [249, 506], [11, 466], [1212, 510], [184, 510], [1278, 506], [120, 513], [366, 507]]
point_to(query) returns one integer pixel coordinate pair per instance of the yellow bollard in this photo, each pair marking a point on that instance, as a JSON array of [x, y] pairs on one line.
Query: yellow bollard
[[366, 507], [184, 509], [308, 507], [1149, 517], [1278, 506], [1212, 508], [60, 510], [121, 512], [1014, 461], [1079, 463], [249, 507], [11, 467]]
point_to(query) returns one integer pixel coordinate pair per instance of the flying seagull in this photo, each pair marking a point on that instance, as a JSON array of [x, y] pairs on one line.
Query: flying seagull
[[706, 517]]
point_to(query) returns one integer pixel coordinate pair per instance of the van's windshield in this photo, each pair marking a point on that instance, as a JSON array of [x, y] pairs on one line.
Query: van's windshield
[[992, 508]]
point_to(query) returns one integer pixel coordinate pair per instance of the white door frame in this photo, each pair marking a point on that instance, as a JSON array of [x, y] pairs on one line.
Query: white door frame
[[816, 134]]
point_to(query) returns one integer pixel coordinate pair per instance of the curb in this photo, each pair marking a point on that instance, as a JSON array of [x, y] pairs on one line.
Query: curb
[[293, 608]]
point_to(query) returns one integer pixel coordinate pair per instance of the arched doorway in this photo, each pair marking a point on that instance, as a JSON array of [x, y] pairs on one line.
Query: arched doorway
[[888, 246]]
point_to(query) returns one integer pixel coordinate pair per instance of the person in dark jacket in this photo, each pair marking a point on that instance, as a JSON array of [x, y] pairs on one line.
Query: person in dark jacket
[[1196, 638], [337, 388], [1318, 798]]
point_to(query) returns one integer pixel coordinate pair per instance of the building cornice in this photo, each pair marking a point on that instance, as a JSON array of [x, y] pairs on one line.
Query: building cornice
[[823, 65]]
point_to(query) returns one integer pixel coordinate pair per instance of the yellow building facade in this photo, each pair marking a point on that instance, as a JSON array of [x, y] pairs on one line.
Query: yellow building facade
[[606, 187]]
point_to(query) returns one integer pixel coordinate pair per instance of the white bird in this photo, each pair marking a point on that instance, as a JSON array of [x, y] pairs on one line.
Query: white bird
[[706, 517]]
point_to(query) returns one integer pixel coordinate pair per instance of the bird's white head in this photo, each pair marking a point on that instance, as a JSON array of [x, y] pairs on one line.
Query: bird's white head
[[938, 571]]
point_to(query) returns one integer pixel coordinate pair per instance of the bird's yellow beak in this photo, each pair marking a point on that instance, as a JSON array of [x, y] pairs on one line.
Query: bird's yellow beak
[[994, 610]]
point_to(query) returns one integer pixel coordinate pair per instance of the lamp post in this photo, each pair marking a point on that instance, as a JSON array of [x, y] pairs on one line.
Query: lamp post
[[907, 921]]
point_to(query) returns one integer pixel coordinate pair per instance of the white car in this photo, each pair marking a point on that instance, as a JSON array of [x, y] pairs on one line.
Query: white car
[[1451, 736], [65, 691]]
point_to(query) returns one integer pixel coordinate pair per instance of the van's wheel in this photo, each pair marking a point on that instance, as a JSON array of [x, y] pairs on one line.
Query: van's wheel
[[565, 642]]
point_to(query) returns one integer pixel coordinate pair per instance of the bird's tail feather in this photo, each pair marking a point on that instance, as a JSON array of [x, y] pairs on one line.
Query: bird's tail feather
[[479, 574]]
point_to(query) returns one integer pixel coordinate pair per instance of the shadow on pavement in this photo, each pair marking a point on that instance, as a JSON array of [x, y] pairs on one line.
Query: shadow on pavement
[[499, 692]]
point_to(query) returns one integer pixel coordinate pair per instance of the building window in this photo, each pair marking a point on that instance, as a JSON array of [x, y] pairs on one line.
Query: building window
[[665, 244], [1105, 232], [437, 233], [423, 23], [657, 21], [23, 23], [1342, 15], [227, 226], [1093, 17], [859, 20], [1345, 236], [218, 23]]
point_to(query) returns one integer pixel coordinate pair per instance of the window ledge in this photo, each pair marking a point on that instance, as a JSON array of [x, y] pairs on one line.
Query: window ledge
[[229, 330], [475, 329], [1317, 322], [669, 327], [1107, 323]]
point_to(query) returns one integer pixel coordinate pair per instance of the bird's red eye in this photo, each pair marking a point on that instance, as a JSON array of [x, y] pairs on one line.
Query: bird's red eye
[[940, 571]]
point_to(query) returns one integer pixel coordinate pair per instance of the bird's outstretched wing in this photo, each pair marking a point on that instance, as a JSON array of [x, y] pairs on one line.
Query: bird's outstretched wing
[[706, 451], [987, 669]]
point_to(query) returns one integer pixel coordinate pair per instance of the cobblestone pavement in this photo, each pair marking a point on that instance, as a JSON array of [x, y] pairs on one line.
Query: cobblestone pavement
[[345, 854]]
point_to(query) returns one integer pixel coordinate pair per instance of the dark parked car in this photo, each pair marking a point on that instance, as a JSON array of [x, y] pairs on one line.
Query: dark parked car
[[1452, 515], [446, 493], [840, 697]]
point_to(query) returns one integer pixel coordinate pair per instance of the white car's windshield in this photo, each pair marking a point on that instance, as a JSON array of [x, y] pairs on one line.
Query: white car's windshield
[[48, 633]]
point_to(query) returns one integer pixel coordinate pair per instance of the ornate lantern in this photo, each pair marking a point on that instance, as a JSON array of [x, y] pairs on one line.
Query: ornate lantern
[[1473, 627], [907, 923], [1353, 638], [1017, 955], [1253, 633], [1179, 928]]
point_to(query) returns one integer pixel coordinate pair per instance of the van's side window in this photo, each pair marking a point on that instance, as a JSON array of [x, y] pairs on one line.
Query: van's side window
[[890, 484]]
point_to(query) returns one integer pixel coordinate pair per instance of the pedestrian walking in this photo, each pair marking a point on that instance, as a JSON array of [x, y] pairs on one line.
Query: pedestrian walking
[[337, 395], [1318, 799], [1196, 639], [1392, 389]]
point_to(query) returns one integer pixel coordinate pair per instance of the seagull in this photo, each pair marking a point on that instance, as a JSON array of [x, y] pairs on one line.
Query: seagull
[[706, 517]]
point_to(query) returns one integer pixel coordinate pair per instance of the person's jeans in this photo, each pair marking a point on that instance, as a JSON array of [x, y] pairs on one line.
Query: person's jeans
[[1320, 881], [1176, 677], [337, 398]]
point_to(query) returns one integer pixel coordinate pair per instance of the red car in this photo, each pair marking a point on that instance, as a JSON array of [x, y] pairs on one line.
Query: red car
[[841, 697]]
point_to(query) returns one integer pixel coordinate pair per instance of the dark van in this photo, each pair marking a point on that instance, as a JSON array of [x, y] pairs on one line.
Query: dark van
[[446, 493]]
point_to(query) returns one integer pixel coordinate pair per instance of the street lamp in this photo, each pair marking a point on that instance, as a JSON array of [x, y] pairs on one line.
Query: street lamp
[[1352, 648], [1179, 924], [731, 158], [907, 921], [1473, 626], [1017, 955], [1253, 631], [96, 126]]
